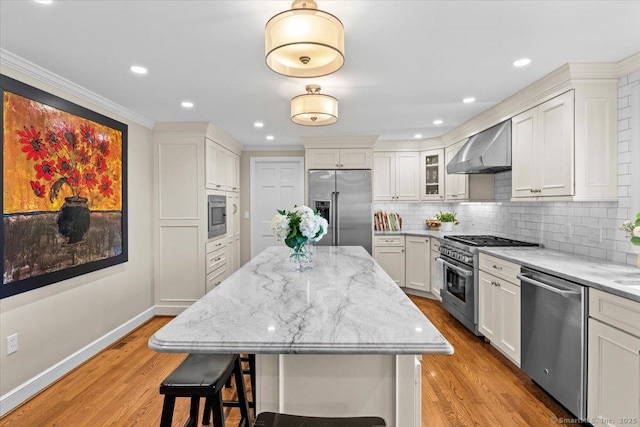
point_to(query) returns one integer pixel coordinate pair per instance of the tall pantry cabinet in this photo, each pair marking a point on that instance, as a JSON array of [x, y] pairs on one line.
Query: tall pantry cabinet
[[192, 160]]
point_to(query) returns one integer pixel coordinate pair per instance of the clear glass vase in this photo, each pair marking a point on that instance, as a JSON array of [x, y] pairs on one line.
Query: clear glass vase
[[301, 256]]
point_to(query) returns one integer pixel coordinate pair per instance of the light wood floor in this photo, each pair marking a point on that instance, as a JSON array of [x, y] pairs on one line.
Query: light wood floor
[[477, 386]]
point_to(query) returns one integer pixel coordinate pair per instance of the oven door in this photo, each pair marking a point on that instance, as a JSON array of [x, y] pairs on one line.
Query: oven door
[[458, 291]]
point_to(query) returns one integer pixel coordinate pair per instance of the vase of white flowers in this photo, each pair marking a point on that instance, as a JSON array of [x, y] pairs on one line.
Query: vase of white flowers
[[633, 230], [297, 227]]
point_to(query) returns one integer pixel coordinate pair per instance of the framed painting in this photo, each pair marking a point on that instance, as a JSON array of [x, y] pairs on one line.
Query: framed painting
[[64, 189]]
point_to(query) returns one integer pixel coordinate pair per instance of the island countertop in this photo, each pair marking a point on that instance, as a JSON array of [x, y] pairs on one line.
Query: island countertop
[[347, 304]]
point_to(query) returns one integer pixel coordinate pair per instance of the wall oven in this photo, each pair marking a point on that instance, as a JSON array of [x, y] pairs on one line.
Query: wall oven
[[216, 215]]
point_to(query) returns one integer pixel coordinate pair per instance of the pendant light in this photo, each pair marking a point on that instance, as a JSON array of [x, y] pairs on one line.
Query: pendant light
[[304, 41], [314, 108]]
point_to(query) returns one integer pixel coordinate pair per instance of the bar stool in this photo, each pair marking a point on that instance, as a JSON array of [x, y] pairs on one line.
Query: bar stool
[[251, 371], [271, 419], [204, 375]]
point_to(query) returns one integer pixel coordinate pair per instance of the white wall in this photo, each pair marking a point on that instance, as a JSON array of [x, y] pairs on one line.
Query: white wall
[[55, 321], [545, 222]]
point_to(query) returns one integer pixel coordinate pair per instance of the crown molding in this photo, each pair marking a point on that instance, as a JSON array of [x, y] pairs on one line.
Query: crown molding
[[629, 65], [273, 148], [359, 141], [30, 69]]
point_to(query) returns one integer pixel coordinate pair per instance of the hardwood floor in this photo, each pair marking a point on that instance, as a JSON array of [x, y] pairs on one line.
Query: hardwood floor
[[477, 386]]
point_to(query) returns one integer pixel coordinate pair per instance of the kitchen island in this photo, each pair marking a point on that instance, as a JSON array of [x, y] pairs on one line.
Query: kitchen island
[[339, 340]]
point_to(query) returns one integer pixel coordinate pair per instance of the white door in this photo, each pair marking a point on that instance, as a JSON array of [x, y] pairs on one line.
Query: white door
[[276, 183]]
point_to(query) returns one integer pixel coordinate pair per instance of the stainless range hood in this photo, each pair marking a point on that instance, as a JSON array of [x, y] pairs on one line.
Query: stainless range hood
[[486, 152]]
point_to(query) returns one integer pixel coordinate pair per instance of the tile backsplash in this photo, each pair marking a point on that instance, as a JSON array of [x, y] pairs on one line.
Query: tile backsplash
[[564, 226]]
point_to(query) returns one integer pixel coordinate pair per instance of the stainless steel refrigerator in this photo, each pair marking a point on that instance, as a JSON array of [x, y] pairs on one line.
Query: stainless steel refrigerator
[[343, 198]]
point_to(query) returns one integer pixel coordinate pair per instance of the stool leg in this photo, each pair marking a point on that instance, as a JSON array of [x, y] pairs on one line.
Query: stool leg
[[206, 413], [167, 410], [218, 409], [242, 394], [252, 375], [193, 413]]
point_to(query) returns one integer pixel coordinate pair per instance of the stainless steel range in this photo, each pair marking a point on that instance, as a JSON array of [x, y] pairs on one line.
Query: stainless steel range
[[459, 254]]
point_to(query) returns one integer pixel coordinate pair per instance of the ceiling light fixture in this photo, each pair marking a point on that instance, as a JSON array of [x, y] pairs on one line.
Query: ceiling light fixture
[[417, 136], [187, 104], [314, 108], [469, 100], [258, 124], [522, 62], [44, 1], [138, 69], [437, 122], [269, 137], [304, 41]]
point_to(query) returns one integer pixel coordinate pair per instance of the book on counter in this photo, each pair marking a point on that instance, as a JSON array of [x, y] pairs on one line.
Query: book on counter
[[387, 221]]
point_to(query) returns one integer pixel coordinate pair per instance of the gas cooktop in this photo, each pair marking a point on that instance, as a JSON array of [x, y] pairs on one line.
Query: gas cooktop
[[476, 240]]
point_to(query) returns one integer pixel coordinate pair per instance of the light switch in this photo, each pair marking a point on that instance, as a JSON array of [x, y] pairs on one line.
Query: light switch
[[246, 214]]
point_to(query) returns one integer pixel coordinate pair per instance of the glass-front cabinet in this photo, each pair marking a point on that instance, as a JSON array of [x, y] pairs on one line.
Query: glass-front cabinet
[[432, 175]]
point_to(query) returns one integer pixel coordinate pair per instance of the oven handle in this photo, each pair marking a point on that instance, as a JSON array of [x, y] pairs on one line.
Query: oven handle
[[563, 293], [456, 268]]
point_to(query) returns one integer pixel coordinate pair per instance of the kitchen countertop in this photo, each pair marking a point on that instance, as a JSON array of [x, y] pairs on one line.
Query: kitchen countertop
[[346, 305], [599, 274], [427, 233]]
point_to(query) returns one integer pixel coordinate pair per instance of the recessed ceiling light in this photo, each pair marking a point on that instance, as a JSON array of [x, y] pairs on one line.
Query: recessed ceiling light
[[258, 124], [138, 69], [187, 104], [269, 137], [44, 1], [417, 136], [437, 122], [469, 100], [522, 62]]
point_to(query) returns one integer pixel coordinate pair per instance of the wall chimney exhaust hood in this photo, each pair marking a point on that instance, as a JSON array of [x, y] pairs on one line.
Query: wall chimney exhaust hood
[[486, 152]]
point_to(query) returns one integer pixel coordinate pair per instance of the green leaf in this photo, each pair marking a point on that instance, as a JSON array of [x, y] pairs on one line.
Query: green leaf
[[638, 215], [637, 222], [635, 241], [55, 188], [282, 212]]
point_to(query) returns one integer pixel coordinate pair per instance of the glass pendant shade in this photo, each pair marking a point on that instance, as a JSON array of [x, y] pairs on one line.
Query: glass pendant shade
[[304, 41], [314, 108]]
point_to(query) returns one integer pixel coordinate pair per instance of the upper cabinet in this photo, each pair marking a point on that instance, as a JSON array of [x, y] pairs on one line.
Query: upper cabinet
[[396, 176], [432, 175], [339, 158], [542, 149], [566, 147], [222, 167]]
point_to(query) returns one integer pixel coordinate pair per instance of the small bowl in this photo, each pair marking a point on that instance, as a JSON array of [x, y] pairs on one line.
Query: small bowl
[[432, 224]]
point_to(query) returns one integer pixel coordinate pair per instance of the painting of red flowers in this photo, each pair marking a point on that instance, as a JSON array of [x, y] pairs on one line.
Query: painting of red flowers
[[64, 198]]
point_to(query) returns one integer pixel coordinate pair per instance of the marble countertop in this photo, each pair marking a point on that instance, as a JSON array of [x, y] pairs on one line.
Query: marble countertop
[[618, 279], [427, 233], [346, 305]]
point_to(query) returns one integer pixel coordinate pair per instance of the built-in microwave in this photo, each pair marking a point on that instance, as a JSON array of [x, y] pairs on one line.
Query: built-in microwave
[[217, 215]]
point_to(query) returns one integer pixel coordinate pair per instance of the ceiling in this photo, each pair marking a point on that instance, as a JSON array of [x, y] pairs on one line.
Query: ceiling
[[407, 64]]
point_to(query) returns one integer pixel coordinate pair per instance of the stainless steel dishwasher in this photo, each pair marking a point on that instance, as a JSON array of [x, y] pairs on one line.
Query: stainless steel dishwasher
[[554, 339]]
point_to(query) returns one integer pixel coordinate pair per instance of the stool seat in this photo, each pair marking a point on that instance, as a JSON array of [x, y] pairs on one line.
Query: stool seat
[[199, 371], [271, 419]]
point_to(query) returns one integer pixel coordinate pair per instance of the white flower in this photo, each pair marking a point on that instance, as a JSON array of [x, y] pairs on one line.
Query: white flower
[[636, 232], [324, 225], [302, 210], [280, 226], [309, 224]]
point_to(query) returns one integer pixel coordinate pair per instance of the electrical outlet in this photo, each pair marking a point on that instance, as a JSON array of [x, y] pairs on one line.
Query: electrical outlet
[[594, 234], [246, 214], [12, 344]]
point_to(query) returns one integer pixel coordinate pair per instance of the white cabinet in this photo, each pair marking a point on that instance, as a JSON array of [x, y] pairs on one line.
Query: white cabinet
[[613, 384], [233, 172], [388, 251], [233, 232], [436, 275], [215, 278], [456, 186], [542, 149], [215, 165], [339, 158], [432, 175], [499, 315], [396, 176], [418, 263]]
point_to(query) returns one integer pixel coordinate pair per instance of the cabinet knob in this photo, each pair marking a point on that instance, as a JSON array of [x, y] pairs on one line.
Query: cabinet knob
[[497, 267], [337, 165], [218, 186], [402, 250], [341, 165]]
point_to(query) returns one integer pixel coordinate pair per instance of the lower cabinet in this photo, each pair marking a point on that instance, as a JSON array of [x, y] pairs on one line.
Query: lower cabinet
[[436, 272], [499, 316], [613, 380], [417, 263], [388, 251]]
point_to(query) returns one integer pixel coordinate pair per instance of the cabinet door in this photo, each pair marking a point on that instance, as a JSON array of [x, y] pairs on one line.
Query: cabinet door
[[215, 278], [391, 259], [231, 256], [456, 186], [486, 305], [613, 385], [323, 158], [417, 269], [555, 143], [407, 176], [211, 163], [235, 212], [355, 158], [508, 319], [524, 154], [432, 175], [435, 284], [384, 177], [233, 171], [221, 167]]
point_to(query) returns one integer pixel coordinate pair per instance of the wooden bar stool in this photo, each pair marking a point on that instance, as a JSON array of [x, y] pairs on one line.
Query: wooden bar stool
[[204, 375], [271, 419]]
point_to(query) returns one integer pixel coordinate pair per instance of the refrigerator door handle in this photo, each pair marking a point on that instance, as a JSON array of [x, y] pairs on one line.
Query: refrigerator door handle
[[337, 219], [332, 217]]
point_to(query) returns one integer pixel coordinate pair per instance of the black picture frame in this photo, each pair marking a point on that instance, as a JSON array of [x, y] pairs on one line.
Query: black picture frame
[[12, 284]]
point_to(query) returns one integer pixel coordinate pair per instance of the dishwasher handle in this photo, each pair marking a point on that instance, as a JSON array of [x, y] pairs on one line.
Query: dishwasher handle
[[561, 292]]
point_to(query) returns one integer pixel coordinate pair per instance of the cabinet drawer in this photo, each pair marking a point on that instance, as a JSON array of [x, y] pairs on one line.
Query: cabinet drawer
[[435, 245], [389, 241], [616, 311], [500, 268], [216, 259], [216, 244], [215, 278]]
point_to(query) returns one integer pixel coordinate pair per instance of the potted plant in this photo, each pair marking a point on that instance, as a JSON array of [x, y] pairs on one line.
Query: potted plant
[[633, 230], [447, 220]]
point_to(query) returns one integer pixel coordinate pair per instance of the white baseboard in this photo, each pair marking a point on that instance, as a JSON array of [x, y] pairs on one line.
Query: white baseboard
[[29, 388], [170, 310]]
